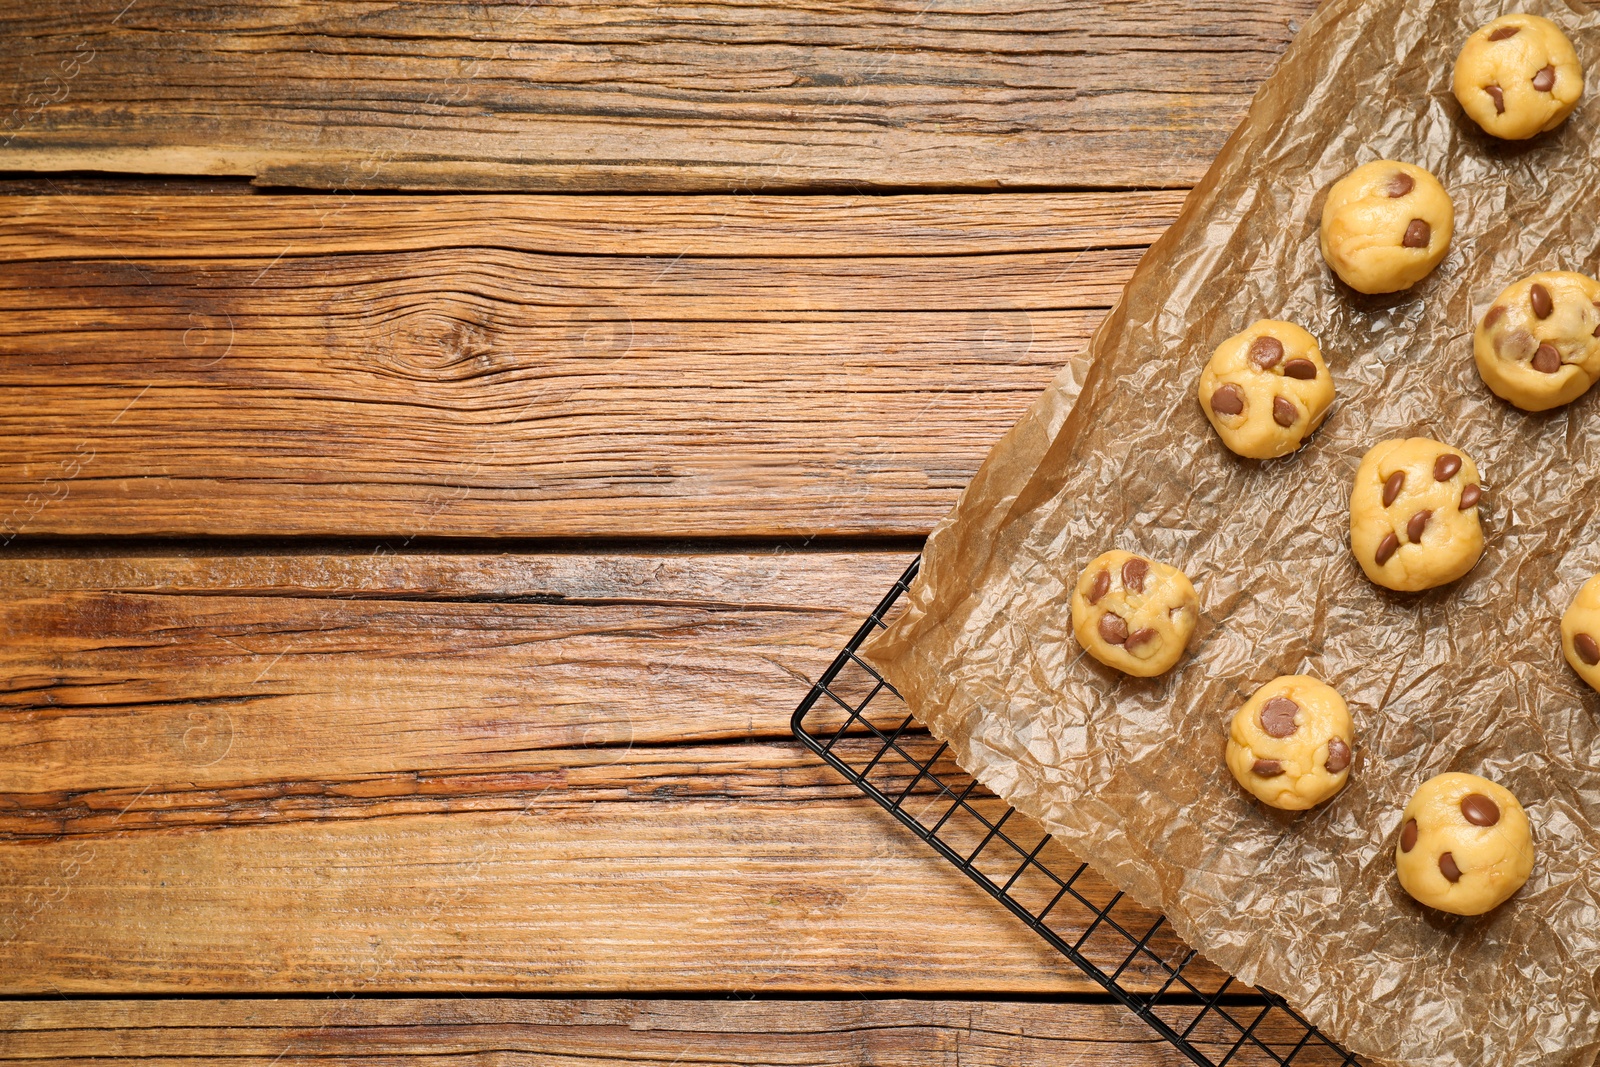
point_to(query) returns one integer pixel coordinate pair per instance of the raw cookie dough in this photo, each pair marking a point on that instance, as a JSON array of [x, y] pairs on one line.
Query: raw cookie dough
[[1414, 514], [1266, 390], [1518, 76], [1133, 614], [1290, 743], [1538, 345], [1385, 225], [1580, 632], [1464, 844]]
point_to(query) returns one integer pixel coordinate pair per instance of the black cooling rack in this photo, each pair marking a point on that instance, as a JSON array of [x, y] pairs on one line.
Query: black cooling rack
[[856, 721]]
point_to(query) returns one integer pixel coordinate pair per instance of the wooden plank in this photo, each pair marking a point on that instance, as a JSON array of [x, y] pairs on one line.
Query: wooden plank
[[398, 367], [122, 672], [625, 95], [138, 225], [427, 772], [659, 895], [652, 1033], [577, 778]]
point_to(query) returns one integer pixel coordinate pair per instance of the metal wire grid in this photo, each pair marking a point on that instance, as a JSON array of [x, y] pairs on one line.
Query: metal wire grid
[[1129, 951]]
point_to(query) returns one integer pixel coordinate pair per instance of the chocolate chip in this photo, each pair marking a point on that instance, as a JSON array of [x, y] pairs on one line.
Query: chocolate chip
[[1283, 412], [1588, 649], [1479, 810], [1133, 573], [1545, 80], [1227, 400], [1470, 497], [1547, 360], [1265, 352], [1498, 97], [1113, 630], [1446, 466], [1386, 549], [1300, 369], [1539, 297], [1495, 314], [1418, 523], [1140, 638], [1408, 836], [1448, 868], [1504, 32], [1418, 234], [1597, 331], [1338, 755], [1392, 487], [1277, 716], [1266, 768], [1101, 586], [1399, 185]]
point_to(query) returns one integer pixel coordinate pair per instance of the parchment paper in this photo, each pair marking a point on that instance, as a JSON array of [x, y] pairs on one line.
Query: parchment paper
[[1129, 772]]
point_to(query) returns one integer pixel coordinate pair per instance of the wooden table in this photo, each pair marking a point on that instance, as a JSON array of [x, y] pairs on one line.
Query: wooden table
[[406, 593]]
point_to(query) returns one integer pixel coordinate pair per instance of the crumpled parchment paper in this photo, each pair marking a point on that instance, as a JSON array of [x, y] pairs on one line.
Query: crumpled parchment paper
[[1129, 772]]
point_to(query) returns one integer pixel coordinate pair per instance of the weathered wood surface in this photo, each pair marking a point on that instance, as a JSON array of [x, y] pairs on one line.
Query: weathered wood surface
[[429, 772], [120, 673], [549, 774], [398, 367], [138, 224], [578, 893], [646, 1033], [632, 96]]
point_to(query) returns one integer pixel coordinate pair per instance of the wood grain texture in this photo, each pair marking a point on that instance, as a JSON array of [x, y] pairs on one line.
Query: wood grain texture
[[152, 224], [650, 1033], [399, 367], [661, 895], [123, 672], [320, 773], [552, 773], [620, 95]]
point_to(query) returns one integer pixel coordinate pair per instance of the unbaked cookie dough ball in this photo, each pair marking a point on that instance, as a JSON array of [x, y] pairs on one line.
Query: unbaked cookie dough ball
[[1267, 389], [1414, 514], [1133, 613], [1385, 225], [1538, 345], [1464, 845], [1580, 632], [1518, 76], [1290, 743]]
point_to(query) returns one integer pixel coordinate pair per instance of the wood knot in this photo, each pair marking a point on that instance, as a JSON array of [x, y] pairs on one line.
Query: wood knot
[[435, 345]]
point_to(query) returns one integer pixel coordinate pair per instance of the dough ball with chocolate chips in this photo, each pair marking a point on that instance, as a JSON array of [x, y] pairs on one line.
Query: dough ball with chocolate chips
[[1538, 345], [1518, 76], [1580, 632], [1385, 225], [1266, 390], [1414, 514], [1290, 744], [1464, 846], [1133, 613]]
